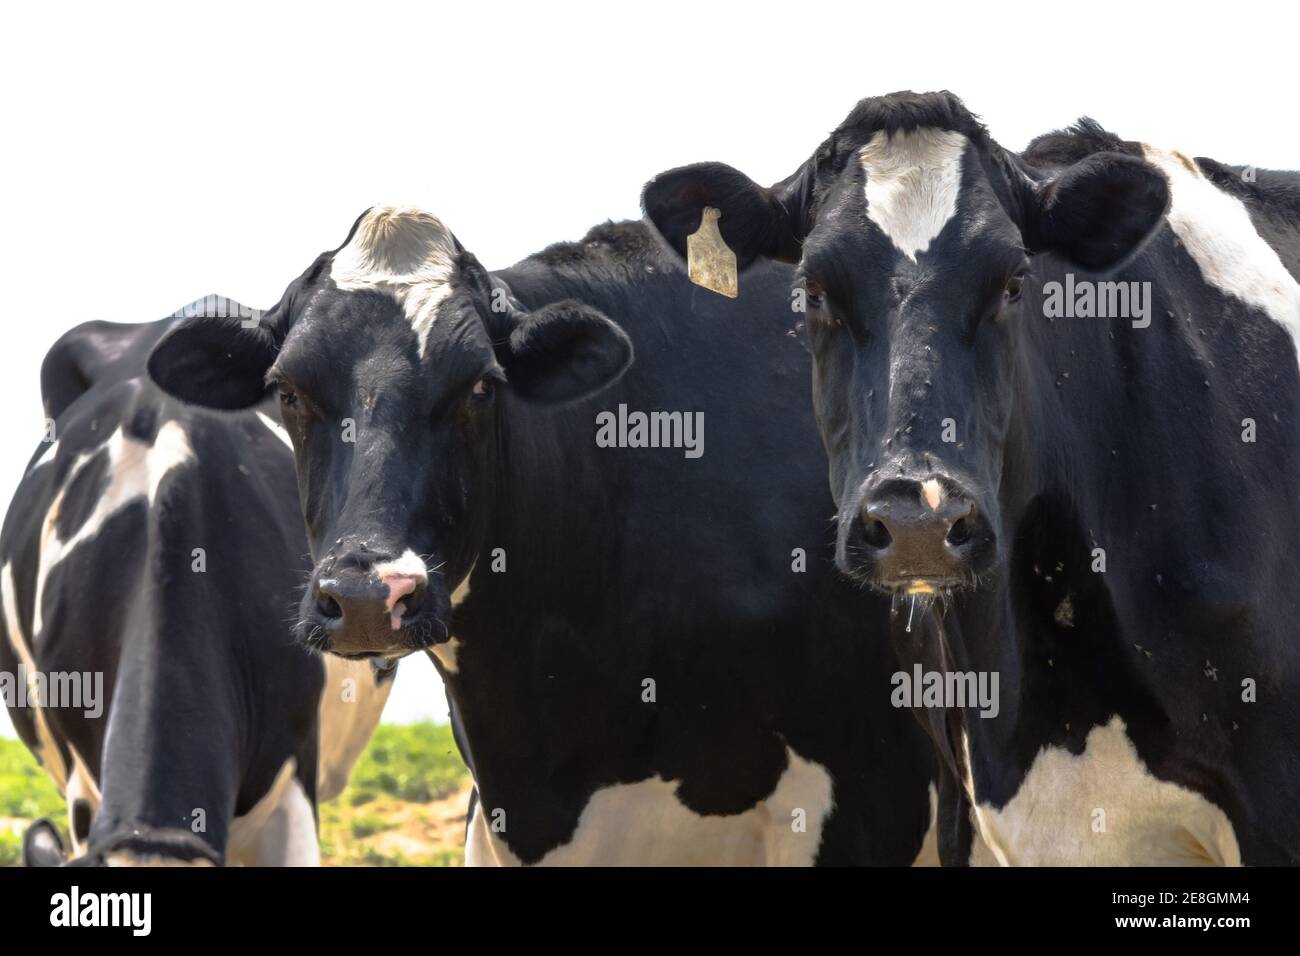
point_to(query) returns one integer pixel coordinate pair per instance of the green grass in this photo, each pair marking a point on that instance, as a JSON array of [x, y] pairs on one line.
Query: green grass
[[26, 793], [25, 789], [417, 763], [403, 765]]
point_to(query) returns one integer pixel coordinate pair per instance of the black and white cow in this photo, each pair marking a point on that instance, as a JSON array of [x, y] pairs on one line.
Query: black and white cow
[[152, 551], [1106, 502], [651, 657]]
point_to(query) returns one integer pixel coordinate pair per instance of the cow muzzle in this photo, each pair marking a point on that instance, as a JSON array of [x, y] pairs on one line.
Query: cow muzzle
[[918, 535], [361, 608]]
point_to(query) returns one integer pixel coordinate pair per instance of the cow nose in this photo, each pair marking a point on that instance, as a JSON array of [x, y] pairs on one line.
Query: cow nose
[[373, 599], [921, 531]]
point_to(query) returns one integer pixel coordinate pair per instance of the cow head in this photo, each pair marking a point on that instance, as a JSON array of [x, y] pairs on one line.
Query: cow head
[[396, 358], [913, 234]]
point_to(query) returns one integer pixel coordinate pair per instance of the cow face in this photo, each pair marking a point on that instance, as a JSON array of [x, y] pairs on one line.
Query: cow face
[[913, 234], [396, 358]]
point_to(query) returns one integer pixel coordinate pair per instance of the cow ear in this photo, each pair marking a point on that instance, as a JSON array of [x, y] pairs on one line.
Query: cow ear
[[563, 352], [216, 362], [1099, 212], [755, 222]]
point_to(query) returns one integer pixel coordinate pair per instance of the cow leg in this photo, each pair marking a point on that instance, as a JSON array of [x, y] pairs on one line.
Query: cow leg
[[83, 803], [280, 829], [289, 837]]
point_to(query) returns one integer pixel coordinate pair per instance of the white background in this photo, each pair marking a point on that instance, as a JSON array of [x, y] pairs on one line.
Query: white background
[[152, 153]]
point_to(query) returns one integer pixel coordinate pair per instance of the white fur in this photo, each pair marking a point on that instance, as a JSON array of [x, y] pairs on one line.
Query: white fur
[[280, 829], [276, 429], [136, 470], [913, 179], [47, 748], [81, 786], [349, 714], [409, 564], [448, 652], [1215, 229], [929, 852], [48, 455], [1148, 822], [645, 824], [405, 252]]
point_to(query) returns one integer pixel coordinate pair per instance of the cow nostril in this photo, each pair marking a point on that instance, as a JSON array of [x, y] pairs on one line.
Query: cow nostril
[[875, 533], [959, 533], [327, 607], [412, 603]]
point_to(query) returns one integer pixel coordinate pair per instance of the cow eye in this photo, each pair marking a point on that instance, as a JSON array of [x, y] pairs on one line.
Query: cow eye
[[1015, 287], [288, 397], [484, 389]]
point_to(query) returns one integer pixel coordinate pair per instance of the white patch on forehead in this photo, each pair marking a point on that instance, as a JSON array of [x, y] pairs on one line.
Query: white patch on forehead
[[645, 824], [405, 252], [913, 179], [1102, 808], [1215, 229]]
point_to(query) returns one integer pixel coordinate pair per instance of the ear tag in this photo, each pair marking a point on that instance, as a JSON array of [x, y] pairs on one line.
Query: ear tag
[[709, 262]]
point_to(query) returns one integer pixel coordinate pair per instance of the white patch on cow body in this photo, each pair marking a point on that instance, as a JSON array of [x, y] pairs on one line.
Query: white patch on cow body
[[346, 725], [448, 652], [82, 786], [47, 455], [928, 855], [1216, 230], [405, 252], [1148, 822], [47, 748], [644, 824], [276, 429], [913, 180], [136, 470], [280, 829]]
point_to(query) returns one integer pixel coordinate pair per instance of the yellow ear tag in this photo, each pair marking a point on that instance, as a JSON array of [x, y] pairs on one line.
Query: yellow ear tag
[[709, 262]]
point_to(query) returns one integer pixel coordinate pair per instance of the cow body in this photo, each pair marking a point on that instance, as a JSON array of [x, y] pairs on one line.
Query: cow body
[[1165, 697], [1100, 499], [137, 548], [649, 656], [629, 565]]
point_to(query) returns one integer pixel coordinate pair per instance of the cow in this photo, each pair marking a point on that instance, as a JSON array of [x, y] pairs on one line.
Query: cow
[[648, 653], [147, 567], [1086, 494]]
